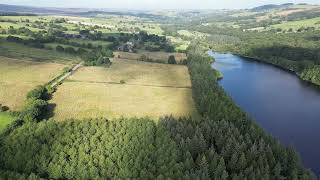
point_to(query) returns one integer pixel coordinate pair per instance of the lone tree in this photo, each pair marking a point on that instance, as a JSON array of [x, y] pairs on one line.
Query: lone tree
[[172, 60]]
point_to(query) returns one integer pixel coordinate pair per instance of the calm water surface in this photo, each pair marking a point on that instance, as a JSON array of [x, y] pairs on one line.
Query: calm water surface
[[283, 105]]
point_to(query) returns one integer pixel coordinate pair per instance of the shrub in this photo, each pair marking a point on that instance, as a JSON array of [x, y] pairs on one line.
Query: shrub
[[60, 48], [70, 50], [34, 110], [4, 108], [40, 92], [172, 60]]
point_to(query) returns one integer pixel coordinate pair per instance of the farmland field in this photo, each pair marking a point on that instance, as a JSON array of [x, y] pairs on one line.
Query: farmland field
[[54, 45], [94, 43], [148, 89], [160, 56], [314, 22], [135, 72], [17, 77], [19, 51]]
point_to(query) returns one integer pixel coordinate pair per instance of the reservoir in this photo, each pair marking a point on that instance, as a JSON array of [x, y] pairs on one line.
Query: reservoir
[[282, 104]]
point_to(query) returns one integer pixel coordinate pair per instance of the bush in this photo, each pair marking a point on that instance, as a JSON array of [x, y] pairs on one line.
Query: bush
[[40, 92], [4, 108], [82, 51], [60, 48], [97, 58], [70, 50], [34, 110], [172, 60], [122, 82]]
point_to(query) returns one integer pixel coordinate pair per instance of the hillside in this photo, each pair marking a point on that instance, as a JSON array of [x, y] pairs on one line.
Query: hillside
[[269, 7], [129, 94]]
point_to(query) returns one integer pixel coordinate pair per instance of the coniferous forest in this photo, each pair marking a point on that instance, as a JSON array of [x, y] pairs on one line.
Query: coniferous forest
[[224, 143]]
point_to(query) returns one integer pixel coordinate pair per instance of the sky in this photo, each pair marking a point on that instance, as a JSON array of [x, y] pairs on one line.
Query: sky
[[154, 4]]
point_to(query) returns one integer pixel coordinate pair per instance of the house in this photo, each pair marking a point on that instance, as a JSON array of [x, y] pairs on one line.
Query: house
[[127, 47]]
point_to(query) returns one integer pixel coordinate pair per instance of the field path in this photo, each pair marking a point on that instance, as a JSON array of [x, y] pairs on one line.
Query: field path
[[75, 68]]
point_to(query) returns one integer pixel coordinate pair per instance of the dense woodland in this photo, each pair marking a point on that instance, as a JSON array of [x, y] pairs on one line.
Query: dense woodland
[[224, 143]]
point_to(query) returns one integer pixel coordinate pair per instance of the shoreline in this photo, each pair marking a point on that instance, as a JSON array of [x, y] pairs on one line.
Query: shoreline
[[256, 59]]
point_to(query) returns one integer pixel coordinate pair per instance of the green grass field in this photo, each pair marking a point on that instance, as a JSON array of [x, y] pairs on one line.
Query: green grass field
[[54, 45], [148, 89], [19, 51], [158, 56], [295, 25], [7, 25], [112, 24], [5, 119], [94, 43], [179, 43], [193, 34]]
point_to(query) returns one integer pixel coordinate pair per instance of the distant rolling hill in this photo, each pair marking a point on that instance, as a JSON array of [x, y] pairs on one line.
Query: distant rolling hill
[[269, 7], [4, 8], [15, 9]]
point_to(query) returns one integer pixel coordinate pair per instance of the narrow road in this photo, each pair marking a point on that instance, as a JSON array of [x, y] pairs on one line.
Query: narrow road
[[57, 82]]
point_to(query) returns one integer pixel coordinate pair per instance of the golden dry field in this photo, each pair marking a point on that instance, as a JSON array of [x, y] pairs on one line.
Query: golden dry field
[[136, 73], [17, 77], [159, 56], [149, 89]]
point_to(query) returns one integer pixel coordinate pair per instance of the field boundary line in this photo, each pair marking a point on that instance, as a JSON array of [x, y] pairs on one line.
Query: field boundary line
[[132, 84]]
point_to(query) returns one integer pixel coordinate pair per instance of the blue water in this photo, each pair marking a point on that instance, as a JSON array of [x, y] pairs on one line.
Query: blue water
[[281, 103]]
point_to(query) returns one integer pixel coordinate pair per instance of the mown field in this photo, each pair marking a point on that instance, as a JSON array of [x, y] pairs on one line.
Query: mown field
[[147, 89], [135, 73], [157, 56], [17, 77]]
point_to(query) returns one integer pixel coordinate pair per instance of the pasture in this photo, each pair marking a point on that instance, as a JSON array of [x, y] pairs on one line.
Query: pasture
[[53, 46], [94, 43], [179, 43], [107, 23], [156, 56], [193, 34], [17, 77], [295, 25], [147, 89], [19, 51]]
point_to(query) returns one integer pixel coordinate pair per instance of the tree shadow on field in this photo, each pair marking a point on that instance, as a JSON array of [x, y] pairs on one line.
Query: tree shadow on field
[[50, 111]]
